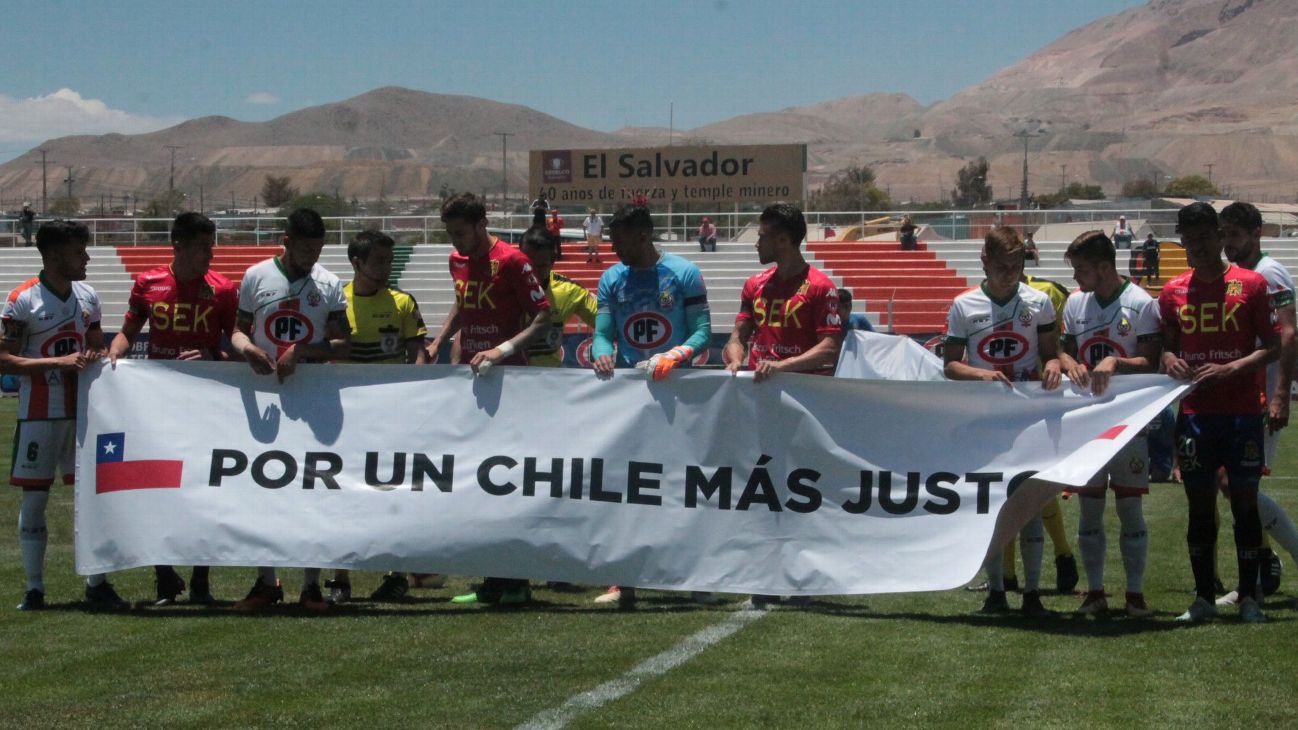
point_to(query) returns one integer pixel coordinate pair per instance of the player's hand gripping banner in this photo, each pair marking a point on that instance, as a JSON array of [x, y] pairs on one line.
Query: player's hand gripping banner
[[800, 485]]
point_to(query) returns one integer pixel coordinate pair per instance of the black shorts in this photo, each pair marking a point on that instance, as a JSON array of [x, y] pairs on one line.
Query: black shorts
[[1208, 442]]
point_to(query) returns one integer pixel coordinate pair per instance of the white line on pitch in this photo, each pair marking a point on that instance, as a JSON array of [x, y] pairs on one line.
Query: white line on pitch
[[650, 668]]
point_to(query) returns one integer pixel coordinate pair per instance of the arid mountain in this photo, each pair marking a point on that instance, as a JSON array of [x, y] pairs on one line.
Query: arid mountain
[[1164, 90]]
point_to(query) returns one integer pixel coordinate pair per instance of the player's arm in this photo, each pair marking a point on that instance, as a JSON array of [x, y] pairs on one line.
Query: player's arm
[[1278, 409], [1258, 310], [1048, 348], [94, 343], [260, 362], [735, 353], [1074, 368], [698, 319], [823, 355], [540, 323], [955, 368], [336, 345], [601, 346], [450, 326], [123, 340], [11, 363]]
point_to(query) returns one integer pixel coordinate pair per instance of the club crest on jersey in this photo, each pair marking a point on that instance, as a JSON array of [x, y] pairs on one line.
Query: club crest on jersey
[[1124, 326], [1137, 465], [285, 327], [1025, 318], [666, 300], [1234, 288], [313, 298], [495, 268], [1003, 348], [647, 330], [1252, 454]]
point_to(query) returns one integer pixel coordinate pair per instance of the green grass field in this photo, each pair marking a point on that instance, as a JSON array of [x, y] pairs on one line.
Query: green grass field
[[914, 660]]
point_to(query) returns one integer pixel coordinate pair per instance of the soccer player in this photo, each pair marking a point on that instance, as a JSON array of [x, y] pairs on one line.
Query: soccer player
[[51, 333], [788, 318], [1007, 330], [499, 309], [568, 299], [1218, 333], [386, 327], [291, 311], [1241, 234], [188, 309], [1111, 326], [654, 306]]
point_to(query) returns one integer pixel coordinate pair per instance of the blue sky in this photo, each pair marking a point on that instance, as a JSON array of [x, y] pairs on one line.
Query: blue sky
[[134, 66]]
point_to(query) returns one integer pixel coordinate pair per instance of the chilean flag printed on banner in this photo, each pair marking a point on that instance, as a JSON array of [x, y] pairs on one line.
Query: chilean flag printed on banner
[[113, 473]]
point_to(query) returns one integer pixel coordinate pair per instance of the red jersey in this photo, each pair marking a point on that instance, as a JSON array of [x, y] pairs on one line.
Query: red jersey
[[189, 316], [497, 296], [791, 315], [1217, 322]]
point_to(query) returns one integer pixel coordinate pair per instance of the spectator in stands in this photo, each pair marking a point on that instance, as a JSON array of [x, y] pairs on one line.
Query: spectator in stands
[[707, 236], [640, 201], [593, 226], [1030, 252], [555, 227], [906, 235], [851, 320], [25, 221], [1151, 259], [540, 207], [1122, 235]]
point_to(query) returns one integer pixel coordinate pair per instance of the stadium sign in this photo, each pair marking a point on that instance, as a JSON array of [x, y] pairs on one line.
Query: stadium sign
[[705, 481], [694, 174]]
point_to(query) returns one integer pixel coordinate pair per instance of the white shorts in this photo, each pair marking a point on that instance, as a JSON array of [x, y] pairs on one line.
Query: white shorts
[[1127, 473], [41, 448]]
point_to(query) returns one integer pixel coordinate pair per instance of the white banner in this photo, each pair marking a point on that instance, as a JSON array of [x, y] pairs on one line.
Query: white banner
[[801, 485]]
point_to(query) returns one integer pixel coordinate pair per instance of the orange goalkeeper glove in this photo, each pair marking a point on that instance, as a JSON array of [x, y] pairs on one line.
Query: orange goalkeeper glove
[[664, 362]]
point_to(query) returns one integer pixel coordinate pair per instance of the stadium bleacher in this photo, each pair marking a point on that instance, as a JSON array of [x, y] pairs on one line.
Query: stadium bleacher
[[921, 283]]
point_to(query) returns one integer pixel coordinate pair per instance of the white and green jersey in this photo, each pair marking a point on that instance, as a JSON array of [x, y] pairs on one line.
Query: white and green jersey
[[1100, 327], [1002, 335], [1280, 292], [286, 313]]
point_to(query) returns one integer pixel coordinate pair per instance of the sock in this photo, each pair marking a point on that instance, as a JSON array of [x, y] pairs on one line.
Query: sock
[[1052, 518], [1201, 557], [1278, 525], [1007, 560], [97, 579], [33, 537], [1091, 541], [200, 574], [1134, 541], [309, 576], [267, 576], [995, 568], [1032, 541]]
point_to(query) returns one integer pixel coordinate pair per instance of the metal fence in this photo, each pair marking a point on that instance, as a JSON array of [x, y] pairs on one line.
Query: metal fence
[[731, 225]]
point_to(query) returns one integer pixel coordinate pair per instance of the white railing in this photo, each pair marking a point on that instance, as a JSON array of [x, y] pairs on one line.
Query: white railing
[[675, 226]]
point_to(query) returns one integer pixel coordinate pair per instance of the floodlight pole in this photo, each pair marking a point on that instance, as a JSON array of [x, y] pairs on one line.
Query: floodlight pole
[[504, 166]]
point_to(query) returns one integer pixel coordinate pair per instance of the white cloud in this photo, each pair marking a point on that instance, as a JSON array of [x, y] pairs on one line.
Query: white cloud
[[262, 97], [65, 112]]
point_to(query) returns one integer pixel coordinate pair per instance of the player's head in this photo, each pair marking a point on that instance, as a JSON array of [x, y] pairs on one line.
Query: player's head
[[192, 238], [780, 229], [1094, 261], [465, 218], [631, 231], [538, 245], [1002, 258], [304, 235], [844, 302], [1241, 232], [1200, 232], [370, 253], [63, 248]]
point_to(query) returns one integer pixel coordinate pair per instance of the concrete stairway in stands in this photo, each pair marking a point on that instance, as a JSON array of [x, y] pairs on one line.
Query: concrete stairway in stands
[[919, 283]]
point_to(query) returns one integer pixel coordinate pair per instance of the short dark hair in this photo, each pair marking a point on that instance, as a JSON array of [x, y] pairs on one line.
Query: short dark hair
[[1003, 241], [465, 207], [787, 219], [189, 226], [844, 295], [635, 217], [366, 241], [1244, 215], [305, 223], [538, 237], [1196, 214], [58, 232], [1093, 246]]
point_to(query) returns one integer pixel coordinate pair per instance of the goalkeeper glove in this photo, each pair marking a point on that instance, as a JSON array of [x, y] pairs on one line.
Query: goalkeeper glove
[[664, 362]]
